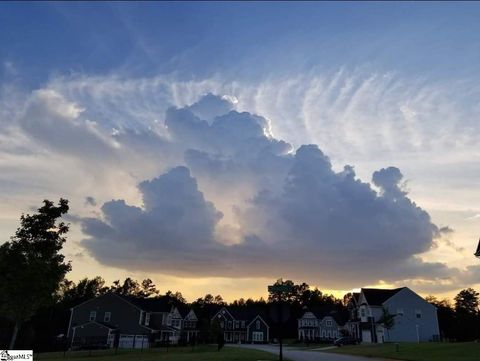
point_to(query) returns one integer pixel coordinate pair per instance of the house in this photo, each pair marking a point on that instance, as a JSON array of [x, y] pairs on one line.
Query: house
[[414, 319], [242, 325], [316, 325], [113, 320]]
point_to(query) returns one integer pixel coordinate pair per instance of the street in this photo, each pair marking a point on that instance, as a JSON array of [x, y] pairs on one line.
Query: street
[[304, 355]]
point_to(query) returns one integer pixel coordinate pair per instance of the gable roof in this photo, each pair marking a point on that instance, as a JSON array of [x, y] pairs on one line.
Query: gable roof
[[157, 304], [377, 296]]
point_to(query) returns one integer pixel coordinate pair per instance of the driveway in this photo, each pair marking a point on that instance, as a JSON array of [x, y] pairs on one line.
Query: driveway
[[303, 355]]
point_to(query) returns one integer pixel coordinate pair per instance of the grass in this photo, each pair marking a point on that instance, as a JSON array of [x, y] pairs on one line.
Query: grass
[[199, 353], [433, 351]]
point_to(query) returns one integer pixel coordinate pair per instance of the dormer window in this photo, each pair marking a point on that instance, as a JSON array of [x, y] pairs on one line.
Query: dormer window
[[93, 315], [107, 317]]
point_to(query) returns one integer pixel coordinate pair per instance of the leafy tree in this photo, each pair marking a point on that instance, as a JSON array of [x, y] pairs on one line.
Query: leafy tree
[[467, 301], [387, 320], [86, 289], [446, 317], [149, 289], [177, 297], [467, 317], [218, 300], [31, 266]]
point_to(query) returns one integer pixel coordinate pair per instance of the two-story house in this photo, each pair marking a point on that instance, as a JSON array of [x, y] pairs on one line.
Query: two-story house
[[242, 325], [317, 325], [114, 320], [414, 319]]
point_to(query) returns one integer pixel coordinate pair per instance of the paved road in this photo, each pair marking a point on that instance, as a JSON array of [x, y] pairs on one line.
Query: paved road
[[303, 355]]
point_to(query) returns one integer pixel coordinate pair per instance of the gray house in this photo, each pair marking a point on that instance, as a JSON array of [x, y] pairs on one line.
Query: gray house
[[242, 325], [415, 320], [112, 320], [317, 325]]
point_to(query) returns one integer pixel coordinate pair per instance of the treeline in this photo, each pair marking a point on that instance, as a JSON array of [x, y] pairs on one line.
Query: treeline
[[44, 330], [460, 320]]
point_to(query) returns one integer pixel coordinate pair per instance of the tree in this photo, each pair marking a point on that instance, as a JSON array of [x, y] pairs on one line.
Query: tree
[[467, 301], [148, 288], [466, 313], [446, 317], [31, 265], [86, 289], [387, 320]]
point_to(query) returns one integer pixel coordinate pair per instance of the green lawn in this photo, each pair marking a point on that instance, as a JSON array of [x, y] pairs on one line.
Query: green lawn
[[468, 351], [200, 353]]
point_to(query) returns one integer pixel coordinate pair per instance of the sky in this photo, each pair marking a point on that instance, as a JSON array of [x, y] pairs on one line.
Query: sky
[[218, 146]]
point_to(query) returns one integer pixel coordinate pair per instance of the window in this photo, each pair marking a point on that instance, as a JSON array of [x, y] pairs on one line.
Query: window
[[418, 313], [362, 312], [147, 319], [176, 323], [257, 324], [243, 324], [229, 324], [329, 323], [237, 324], [93, 315], [107, 316], [399, 311]]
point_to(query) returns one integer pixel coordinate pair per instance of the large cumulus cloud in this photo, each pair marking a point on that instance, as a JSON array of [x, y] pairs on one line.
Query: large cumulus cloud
[[241, 204]]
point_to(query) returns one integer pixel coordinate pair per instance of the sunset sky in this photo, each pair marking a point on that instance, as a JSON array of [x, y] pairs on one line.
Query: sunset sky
[[215, 147]]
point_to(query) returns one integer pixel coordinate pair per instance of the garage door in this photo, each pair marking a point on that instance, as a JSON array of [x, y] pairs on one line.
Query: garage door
[[366, 336], [125, 341], [141, 341]]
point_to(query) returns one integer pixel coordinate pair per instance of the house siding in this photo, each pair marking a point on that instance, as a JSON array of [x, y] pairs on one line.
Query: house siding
[[409, 328], [124, 317], [263, 329]]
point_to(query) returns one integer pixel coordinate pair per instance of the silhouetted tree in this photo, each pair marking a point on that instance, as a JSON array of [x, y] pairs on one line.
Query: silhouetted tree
[[467, 301], [73, 294], [466, 310], [31, 266], [387, 320], [446, 317], [148, 288]]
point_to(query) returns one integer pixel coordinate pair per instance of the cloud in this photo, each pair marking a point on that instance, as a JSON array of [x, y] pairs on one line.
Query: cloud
[[90, 201], [56, 123], [286, 209], [289, 214]]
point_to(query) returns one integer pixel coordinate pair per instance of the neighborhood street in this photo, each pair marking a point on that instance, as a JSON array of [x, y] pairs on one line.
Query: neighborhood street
[[304, 355]]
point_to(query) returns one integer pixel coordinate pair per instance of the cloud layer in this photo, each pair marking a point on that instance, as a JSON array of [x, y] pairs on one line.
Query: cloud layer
[[203, 188], [263, 211]]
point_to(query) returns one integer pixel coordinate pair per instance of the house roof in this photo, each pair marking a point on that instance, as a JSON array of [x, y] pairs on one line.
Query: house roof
[[377, 296], [320, 312], [157, 304], [477, 254]]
